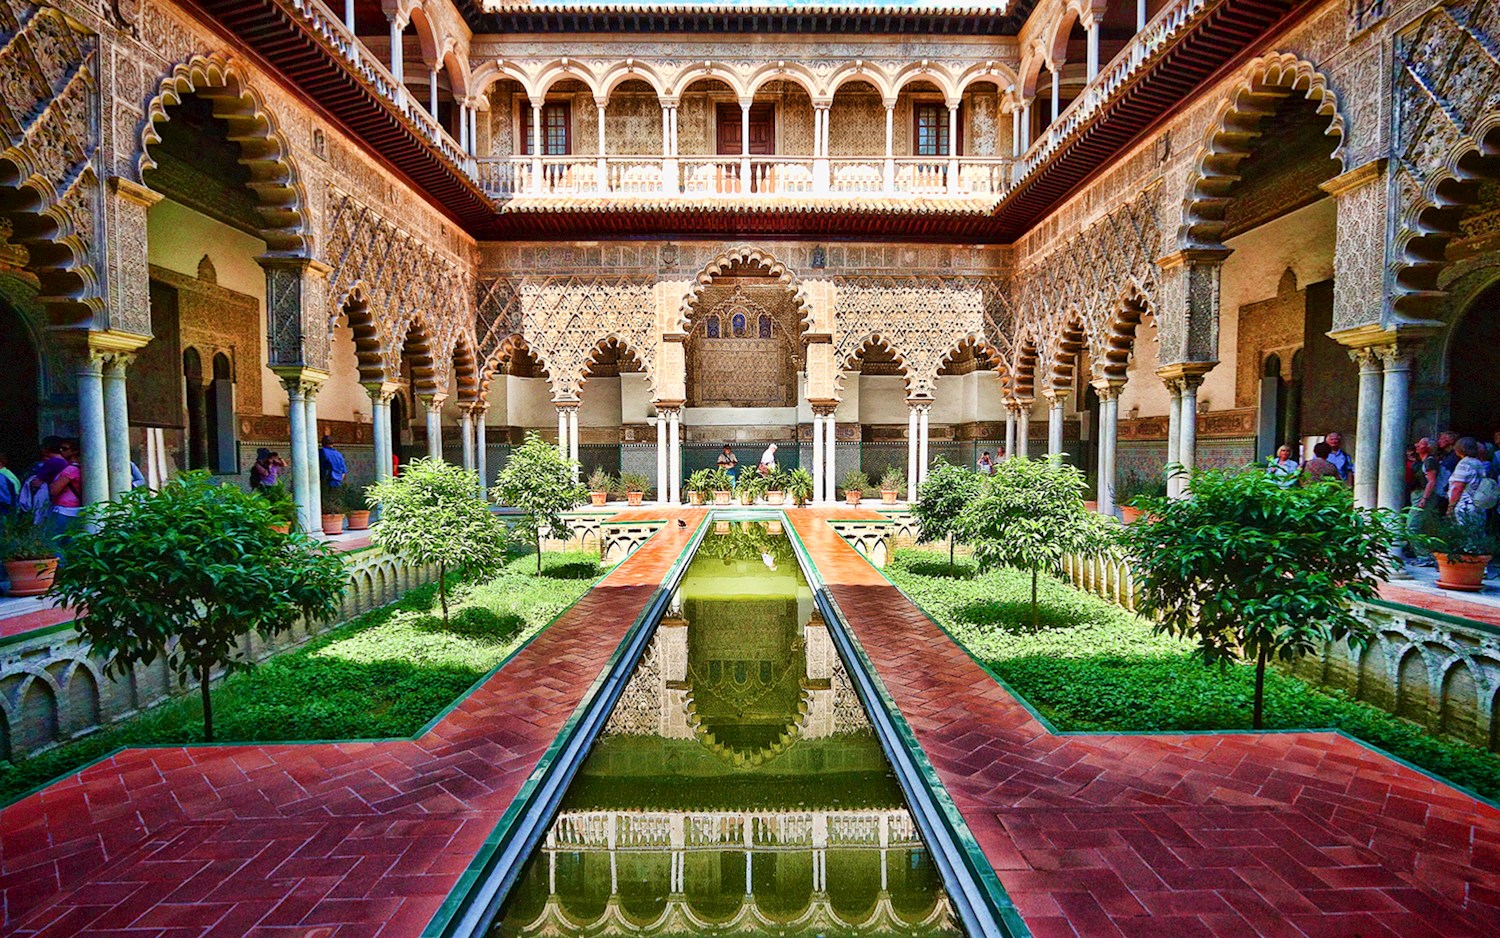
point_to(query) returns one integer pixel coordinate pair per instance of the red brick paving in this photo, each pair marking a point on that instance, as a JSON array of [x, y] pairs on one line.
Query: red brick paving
[[324, 839], [1305, 835]]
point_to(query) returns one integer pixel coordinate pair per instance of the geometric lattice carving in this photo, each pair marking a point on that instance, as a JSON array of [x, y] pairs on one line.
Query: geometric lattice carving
[[565, 318], [921, 319]]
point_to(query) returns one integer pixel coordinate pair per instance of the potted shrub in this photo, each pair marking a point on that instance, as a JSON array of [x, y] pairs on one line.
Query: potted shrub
[[1134, 485], [699, 485], [855, 484], [1462, 548], [333, 510], [283, 507], [600, 484], [30, 563], [721, 483], [636, 486], [359, 519], [750, 487], [799, 485], [892, 485], [776, 486]]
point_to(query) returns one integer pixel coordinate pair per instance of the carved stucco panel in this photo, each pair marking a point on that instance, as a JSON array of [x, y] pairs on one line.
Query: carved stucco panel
[[922, 320], [565, 318], [1359, 254]]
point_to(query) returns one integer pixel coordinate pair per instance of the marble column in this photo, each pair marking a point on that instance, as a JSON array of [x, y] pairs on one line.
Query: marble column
[[1023, 429], [1395, 417], [662, 485], [573, 440], [1109, 428], [1174, 436], [1010, 429], [380, 426], [117, 423], [818, 456], [481, 455], [1093, 51], [92, 431], [562, 431], [674, 455], [1188, 449], [466, 432], [314, 460], [1369, 457], [296, 411], [830, 461], [1055, 408], [434, 407], [913, 474], [924, 434]]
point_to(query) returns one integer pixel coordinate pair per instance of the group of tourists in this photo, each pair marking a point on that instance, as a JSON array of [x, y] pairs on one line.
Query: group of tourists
[[1456, 476], [730, 463], [51, 490]]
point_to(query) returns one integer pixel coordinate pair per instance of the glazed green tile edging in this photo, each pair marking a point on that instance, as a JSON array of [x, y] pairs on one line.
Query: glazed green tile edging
[[473, 901], [1053, 729], [423, 730], [976, 890], [1447, 617], [34, 633]]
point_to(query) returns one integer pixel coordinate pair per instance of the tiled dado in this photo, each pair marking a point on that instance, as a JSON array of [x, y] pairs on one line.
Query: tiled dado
[[1305, 835]]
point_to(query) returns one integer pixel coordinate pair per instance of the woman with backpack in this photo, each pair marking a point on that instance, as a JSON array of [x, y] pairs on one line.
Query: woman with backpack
[[1471, 492]]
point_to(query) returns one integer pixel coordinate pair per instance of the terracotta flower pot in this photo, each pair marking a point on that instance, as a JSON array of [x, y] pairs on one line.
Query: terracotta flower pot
[[747, 499], [634, 498], [722, 498], [853, 497], [1128, 514], [284, 527], [695, 498], [359, 520], [774, 497], [30, 577], [333, 524], [888, 496], [1091, 505], [598, 498], [1461, 571]]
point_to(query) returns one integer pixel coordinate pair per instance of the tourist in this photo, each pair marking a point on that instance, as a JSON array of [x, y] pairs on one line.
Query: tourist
[[1447, 462], [1464, 482], [985, 466], [36, 496], [278, 467], [1284, 468], [331, 466], [1495, 460], [1340, 460], [65, 491], [767, 462], [729, 462], [1425, 499], [262, 473], [1319, 467], [10, 488]]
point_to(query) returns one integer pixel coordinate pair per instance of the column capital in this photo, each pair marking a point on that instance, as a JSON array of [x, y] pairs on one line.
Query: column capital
[[1056, 397], [566, 407], [1181, 370], [301, 379], [382, 391], [1366, 357], [432, 402], [1355, 178], [1396, 357], [1108, 389], [134, 191], [1194, 257]]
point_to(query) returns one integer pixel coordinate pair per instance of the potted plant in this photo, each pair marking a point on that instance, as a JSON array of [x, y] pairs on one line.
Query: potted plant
[[799, 485], [855, 484], [600, 484], [721, 483], [636, 486], [776, 486], [1462, 548], [333, 510], [750, 487], [892, 485], [359, 519], [1134, 485], [283, 507], [30, 563], [699, 484]]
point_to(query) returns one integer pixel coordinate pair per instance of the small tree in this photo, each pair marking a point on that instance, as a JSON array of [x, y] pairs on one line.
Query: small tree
[[538, 482], [1029, 515], [1249, 569], [430, 514], [198, 563], [947, 490]]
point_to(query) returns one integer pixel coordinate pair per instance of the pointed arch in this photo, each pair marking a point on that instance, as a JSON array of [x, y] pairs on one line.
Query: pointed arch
[[861, 349], [416, 343], [1231, 134], [623, 349], [753, 258], [275, 182], [370, 348], [465, 364], [1112, 347]]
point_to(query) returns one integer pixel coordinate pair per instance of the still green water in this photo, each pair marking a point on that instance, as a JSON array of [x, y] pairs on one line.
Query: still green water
[[738, 788]]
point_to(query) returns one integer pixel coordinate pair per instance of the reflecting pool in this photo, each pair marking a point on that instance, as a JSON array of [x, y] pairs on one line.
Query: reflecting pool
[[738, 787]]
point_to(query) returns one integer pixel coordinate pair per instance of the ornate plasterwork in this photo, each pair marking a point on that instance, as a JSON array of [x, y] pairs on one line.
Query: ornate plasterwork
[[49, 122], [565, 319], [921, 320], [1446, 94], [753, 259]]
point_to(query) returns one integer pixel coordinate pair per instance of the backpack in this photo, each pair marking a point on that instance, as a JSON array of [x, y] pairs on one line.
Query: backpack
[[1486, 494], [38, 501]]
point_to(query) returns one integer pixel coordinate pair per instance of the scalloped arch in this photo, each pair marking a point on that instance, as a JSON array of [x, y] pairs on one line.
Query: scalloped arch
[[873, 340], [274, 183], [370, 346], [1234, 127], [747, 257], [503, 354], [1112, 345], [647, 362]]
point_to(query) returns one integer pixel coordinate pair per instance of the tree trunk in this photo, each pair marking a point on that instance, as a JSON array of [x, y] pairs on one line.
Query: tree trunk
[[1260, 689], [208, 705], [950, 555], [1035, 622], [443, 590], [538, 553]]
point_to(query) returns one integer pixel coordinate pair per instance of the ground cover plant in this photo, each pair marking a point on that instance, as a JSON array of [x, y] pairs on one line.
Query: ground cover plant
[[386, 673], [1093, 666]]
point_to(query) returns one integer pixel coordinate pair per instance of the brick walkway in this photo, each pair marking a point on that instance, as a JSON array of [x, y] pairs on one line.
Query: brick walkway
[[1305, 835], [316, 840]]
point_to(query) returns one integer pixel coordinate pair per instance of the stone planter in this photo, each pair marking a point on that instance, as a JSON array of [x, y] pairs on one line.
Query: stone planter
[[634, 498], [333, 524], [359, 521], [1461, 571], [30, 577], [774, 497], [722, 498], [598, 498], [889, 496], [695, 498]]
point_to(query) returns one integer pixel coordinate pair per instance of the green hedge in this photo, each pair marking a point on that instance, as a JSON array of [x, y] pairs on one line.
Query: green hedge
[[384, 674], [1094, 666]]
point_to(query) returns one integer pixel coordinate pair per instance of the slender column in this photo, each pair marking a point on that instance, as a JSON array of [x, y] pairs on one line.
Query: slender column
[[1010, 429], [830, 462], [1093, 61], [1015, 132], [674, 130], [314, 460], [1023, 429], [432, 90], [1025, 128], [668, 158], [1140, 15], [1174, 434], [434, 426], [481, 455], [562, 431], [349, 16], [674, 454], [913, 444], [117, 424], [380, 424], [473, 149], [536, 144], [662, 483], [397, 53], [92, 428], [1109, 401], [953, 148], [822, 172], [1394, 419], [1188, 455], [745, 146], [890, 147], [1369, 458], [1056, 94], [463, 128], [296, 412], [466, 430], [603, 148], [925, 436], [573, 439], [817, 470], [1055, 407]]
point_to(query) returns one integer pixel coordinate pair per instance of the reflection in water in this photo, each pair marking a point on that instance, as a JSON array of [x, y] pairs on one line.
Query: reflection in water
[[738, 787]]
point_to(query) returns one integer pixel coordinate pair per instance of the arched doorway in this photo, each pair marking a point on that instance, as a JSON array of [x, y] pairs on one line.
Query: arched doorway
[[197, 408], [19, 431], [223, 457], [1474, 367]]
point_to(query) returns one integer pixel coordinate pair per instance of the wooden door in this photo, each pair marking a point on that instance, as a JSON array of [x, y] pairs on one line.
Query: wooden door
[[762, 130]]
